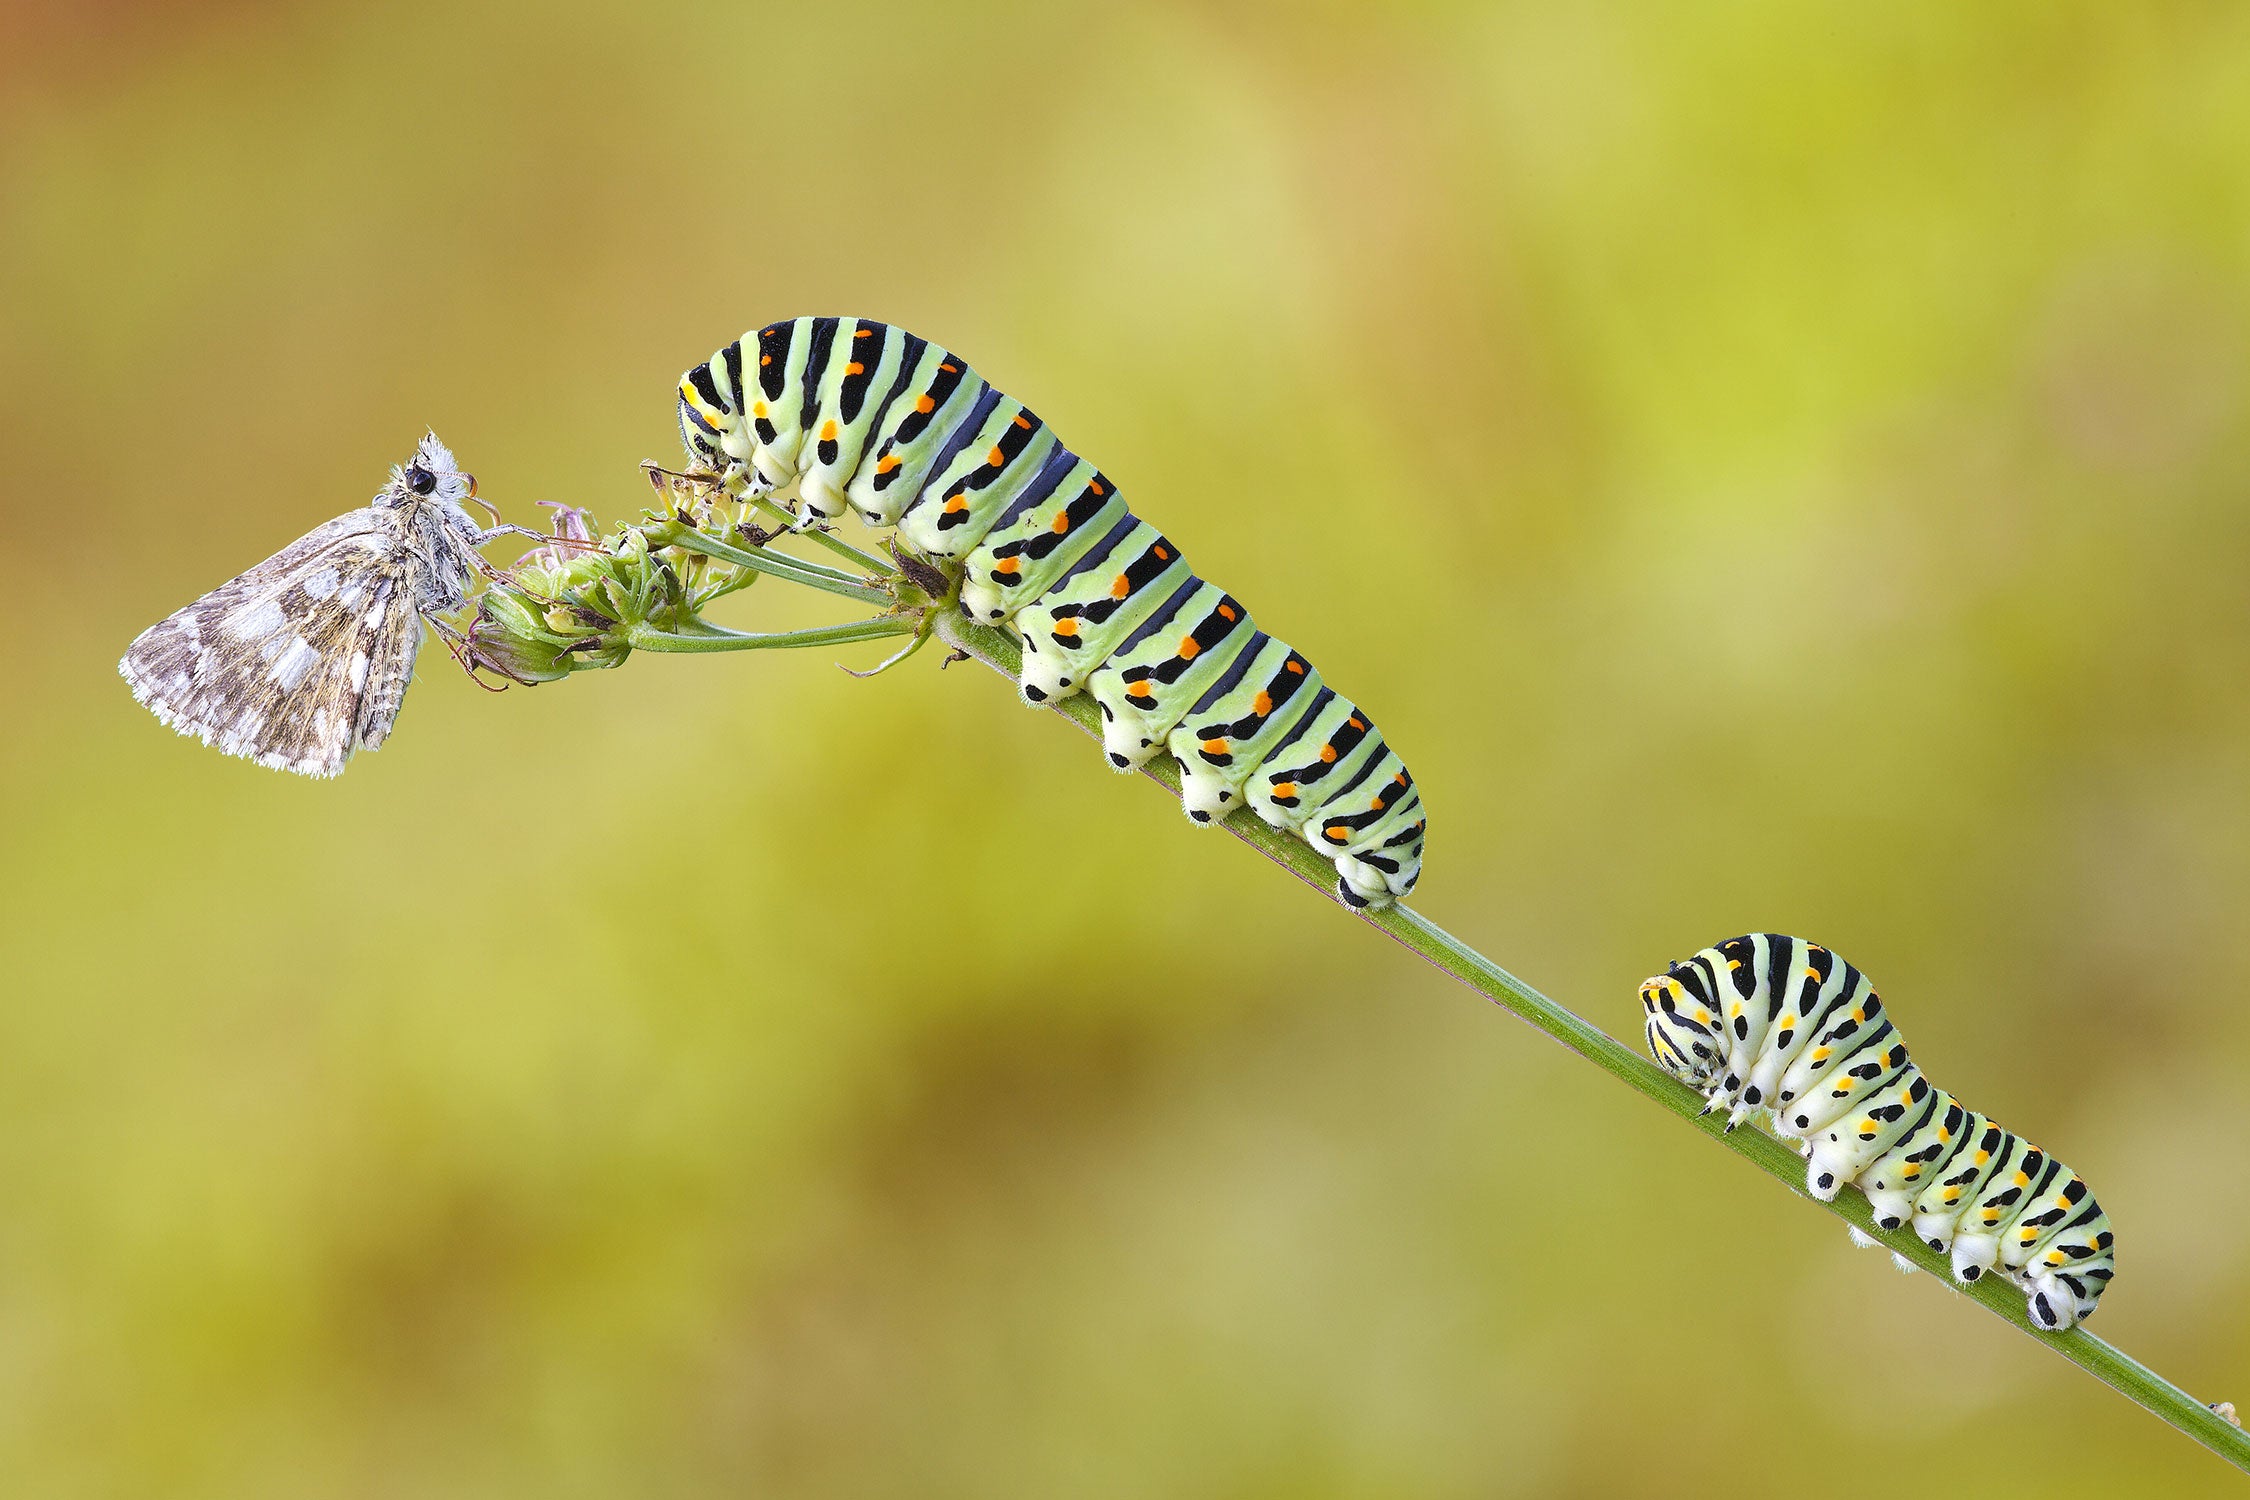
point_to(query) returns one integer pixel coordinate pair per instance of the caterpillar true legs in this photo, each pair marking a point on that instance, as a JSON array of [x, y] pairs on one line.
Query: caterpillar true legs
[[1770, 1024], [860, 416]]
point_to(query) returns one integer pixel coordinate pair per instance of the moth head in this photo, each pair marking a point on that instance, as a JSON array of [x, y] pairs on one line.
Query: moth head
[[1684, 1030], [431, 475]]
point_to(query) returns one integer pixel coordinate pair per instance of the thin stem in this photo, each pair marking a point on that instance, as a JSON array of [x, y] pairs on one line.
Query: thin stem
[[779, 564], [732, 583], [710, 638], [830, 540], [1449, 955]]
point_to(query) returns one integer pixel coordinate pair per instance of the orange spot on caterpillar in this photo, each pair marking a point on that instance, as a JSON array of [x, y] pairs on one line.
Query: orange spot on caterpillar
[[1226, 611], [886, 463], [1263, 706], [924, 405], [1190, 647], [996, 458], [1096, 487], [1285, 790], [1067, 628], [950, 369], [1023, 421], [757, 408], [1062, 523], [855, 367], [1328, 753], [1120, 587], [1214, 747], [1008, 565], [828, 431], [1297, 667], [863, 333]]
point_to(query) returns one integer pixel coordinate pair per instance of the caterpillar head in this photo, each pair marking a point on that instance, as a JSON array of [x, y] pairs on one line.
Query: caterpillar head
[[710, 414], [1684, 1030]]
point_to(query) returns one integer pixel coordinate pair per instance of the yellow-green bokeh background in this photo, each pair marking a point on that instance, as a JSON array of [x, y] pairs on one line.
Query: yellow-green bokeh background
[[1765, 465]]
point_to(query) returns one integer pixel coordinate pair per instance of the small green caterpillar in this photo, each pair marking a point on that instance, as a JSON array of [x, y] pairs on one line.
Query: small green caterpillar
[[1767, 1022], [860, 415]]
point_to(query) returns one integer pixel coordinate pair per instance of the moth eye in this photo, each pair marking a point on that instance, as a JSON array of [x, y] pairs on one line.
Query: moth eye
[[420, 480]]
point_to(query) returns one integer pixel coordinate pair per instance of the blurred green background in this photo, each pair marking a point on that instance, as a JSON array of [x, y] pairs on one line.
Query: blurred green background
[[1766, 467]]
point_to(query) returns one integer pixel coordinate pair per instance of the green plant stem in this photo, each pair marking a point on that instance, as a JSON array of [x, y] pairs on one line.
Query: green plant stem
[[1449, 955], [830, 540], [779, 564], [710, 638]]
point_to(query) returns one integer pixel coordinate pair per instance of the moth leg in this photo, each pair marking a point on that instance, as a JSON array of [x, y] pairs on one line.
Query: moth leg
[[464, 656]]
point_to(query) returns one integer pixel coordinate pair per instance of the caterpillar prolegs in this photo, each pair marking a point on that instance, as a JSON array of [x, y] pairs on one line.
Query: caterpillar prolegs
[[860, 416], [1767, 1023]]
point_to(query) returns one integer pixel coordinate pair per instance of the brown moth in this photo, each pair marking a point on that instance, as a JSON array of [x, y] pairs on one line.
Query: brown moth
[[305, 658]]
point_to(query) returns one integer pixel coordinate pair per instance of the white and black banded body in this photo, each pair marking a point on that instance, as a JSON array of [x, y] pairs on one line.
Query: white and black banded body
[[1768, 1023], [860, 416]]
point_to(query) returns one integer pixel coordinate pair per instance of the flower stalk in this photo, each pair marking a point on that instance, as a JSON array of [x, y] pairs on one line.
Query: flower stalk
[[578, 605], [1458, 961], [581, 604]]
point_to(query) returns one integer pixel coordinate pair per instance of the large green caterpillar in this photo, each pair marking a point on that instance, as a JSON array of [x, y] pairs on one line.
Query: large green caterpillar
[[1771, 1023], [862, 416]]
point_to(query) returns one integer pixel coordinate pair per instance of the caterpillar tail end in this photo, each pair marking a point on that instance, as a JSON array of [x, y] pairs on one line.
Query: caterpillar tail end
[[2050, 1307], [1362, 900], [2059, 1302]]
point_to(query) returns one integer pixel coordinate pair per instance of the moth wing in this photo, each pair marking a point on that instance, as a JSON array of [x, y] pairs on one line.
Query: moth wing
[[384, 662], [274, 664]]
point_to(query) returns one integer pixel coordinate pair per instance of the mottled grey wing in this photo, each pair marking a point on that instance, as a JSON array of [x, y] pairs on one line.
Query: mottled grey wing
[[275, 665]]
